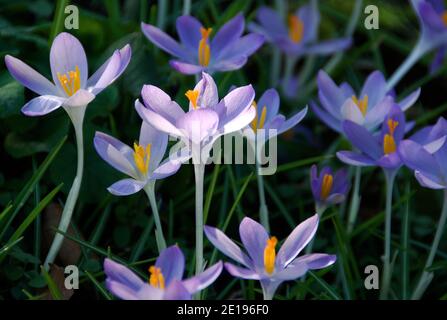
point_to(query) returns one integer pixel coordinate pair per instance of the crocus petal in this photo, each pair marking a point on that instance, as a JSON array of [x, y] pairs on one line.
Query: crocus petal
[[409, 100], [119, 273], [185, 68], [121, 291], [335, 198], [430, 17], [292, 272], [329, 89], [42, 105], [156, 120], [254, 237], [271, 21], [355, 159], [241, 121], [329, 120], [297, 240], [374, 87], [316, 261], [160, 102], [269, 100], [80, 99], [110, 70], [229, 64], [362, 139], [198, 125], [390, 161], [176, 291], [188, 29], [162, 40], [227, 35], [244, 46], [204, 279], [310, 17], [351, 112], [207, 88], [126, 187], [328, 47], [66, 54], [29, 77], [434, 146], [234, 103], [241, 272], [293, 121], [315, 182], [158, 141], [416, 157], [429, 182], [226, 246], [115, 153], [166, 169], [375, 117], [171, 261]]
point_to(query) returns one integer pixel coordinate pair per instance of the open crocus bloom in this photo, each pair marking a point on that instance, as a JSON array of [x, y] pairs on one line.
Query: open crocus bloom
[[165, 280], [268, 118], [379, 149], [141, 163], [368, 109], [432, 16], [197, 52], [426, 154], [328, 188], [207, 118], [262, 262], [299, 36], [69, 68]]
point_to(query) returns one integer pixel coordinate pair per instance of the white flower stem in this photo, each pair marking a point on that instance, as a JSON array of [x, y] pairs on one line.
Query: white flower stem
[[355, 200], [76, 115], [150, 191], [427, 276], [186, 7], [386, 271], [199, 172], [267, 294], [263, 210]]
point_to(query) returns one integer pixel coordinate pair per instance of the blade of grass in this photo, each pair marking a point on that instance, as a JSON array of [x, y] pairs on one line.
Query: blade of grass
[[101, 289], [54, 290], [59, 15], [8, 246], [325, 286]]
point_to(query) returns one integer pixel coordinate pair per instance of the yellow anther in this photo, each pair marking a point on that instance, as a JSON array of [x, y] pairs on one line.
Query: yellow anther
[[270, 255], [392, 125], [255, 124], [193, 96], [70, 81], [204, 48], [361, 104], [389, 144], [296, 29], [444, 17], [326, 186], [142, 157], [156, 278]]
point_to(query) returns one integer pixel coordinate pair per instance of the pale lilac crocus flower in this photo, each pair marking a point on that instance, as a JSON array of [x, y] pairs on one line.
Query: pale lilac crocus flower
[[165, 280], [196, 52], [142, 164], [263, 263], [267, 124], [207, 120], [72, 90]]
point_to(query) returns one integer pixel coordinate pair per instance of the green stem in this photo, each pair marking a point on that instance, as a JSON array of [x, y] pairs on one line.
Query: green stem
[[427, 276], [161, 13], [186, 7], [150, 191], [199, 172], [355, 200], [77, 118], [263, 210], [386, 272], [275, 67]]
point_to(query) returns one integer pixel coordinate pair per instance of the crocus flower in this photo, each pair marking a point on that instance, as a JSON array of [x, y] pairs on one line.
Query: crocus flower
[[269, 118], [328, 188], [196, 52], [71, 87], [262, 262], [207, 118], [165, 280], [367, 109], [426, 154], [299, 36], [142, 163], [376, 150]]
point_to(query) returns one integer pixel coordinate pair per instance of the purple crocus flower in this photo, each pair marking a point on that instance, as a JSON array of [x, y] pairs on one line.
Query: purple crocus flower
[[71, 86], [269, 118], [207, 118], [376, 150], [262, 262], [196, 52], [299, 36], [141, 164], [368, 109], [328, 188], [165, 280], [426, 154]]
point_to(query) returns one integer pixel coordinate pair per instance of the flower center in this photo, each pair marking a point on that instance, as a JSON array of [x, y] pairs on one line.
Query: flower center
[[326, 186], [361, 104], [156, 278], [142, 157], [255, 124], [270, 255], [389, 144], [70, 81], [444, 17], [204, 48], [193, 96], [296, 29]]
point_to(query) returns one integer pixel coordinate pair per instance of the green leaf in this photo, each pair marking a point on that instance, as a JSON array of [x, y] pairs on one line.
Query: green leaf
[[11, 99]]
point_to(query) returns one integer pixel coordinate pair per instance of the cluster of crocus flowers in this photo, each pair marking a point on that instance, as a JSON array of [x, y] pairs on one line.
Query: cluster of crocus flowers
[[73, 90], [165, 281], [262, 262], [204, 49], [368, 108]]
